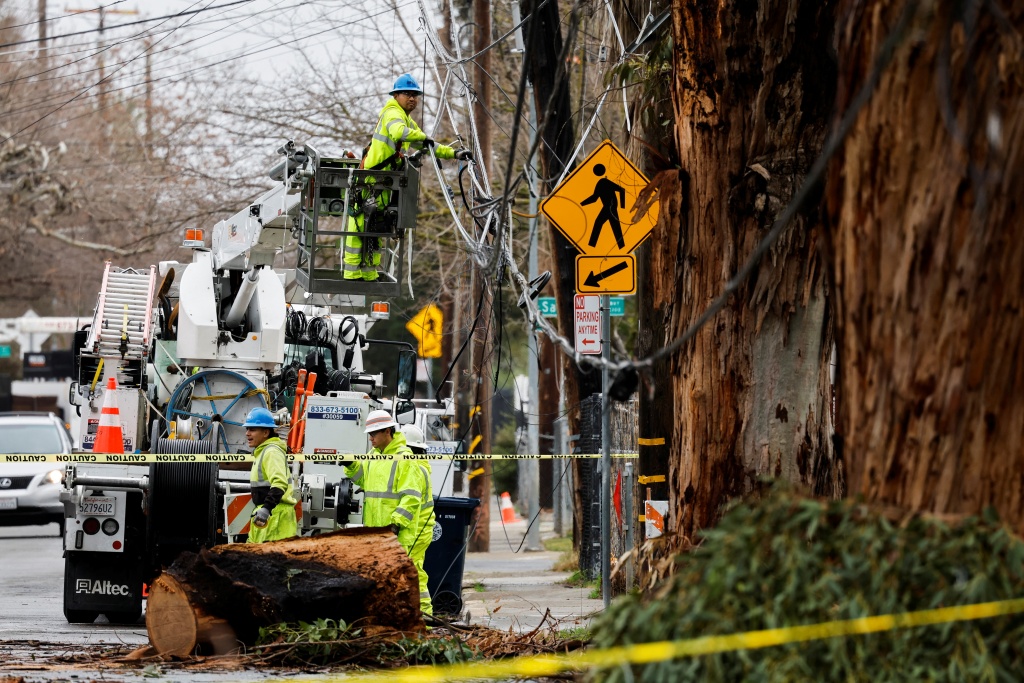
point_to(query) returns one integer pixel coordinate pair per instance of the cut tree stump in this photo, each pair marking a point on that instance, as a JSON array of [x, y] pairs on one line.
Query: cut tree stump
[[219, 598]]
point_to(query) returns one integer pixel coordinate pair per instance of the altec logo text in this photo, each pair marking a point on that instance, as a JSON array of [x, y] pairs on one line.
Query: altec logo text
[[98, 587]]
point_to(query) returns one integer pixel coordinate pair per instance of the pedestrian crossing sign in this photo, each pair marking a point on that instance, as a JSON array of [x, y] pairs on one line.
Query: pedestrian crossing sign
[[596, 206], [426, 327]]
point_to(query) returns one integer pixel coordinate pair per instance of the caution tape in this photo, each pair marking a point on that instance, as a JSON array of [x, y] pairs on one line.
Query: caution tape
[[145, 458], [649, 653]]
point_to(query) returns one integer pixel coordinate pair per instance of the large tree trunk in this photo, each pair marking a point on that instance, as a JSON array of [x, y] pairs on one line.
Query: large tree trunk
[[752, 95], [928, 260], [223, 595]]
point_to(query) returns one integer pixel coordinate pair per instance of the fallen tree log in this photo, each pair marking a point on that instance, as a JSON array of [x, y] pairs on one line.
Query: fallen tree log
[[219, 598]]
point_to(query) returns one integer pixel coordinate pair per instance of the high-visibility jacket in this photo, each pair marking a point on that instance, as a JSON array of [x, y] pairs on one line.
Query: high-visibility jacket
[[399, 492], [395, 131], [393, 490], [270, 471]]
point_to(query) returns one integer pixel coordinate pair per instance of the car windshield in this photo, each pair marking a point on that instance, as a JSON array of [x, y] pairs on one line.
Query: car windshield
[[29, 438]]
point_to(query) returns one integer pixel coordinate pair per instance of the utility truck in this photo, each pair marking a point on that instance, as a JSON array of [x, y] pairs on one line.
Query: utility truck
[[193, 347]]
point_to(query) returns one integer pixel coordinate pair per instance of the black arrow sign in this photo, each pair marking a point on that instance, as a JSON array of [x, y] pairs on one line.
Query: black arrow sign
[[594, 279]]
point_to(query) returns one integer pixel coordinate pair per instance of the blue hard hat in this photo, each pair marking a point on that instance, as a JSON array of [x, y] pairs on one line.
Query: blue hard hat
[[406, 83], [260, 417]]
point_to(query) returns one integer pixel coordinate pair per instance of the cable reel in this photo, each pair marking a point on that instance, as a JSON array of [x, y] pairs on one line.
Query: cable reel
[[181, 502]]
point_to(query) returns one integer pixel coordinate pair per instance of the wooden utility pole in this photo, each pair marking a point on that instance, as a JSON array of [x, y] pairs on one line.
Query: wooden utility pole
[[545, 66], [42, 24], [102, 12], [480, 485], [149, 96]]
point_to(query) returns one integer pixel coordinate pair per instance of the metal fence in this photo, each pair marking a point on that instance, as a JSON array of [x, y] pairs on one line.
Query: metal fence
[[624, 428]]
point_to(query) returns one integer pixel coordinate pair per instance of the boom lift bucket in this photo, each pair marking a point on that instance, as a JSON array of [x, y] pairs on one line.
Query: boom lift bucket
[[337, 189]]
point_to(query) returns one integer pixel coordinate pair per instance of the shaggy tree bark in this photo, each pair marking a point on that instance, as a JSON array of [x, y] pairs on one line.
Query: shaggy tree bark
[[752, 93], [927, 256]]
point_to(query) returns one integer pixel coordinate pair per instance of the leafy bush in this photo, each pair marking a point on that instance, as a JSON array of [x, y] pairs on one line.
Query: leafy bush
[[785, 561]]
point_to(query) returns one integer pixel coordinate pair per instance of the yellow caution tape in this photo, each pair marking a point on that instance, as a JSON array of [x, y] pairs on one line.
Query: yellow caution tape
[[648, 653], [143, 458], [650, 479], [660, 441]]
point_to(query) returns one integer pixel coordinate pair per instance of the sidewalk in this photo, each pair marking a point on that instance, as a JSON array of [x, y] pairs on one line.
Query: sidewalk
[[512, 588]]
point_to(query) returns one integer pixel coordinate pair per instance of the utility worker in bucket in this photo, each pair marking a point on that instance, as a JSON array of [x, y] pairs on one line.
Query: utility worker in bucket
[[272, 491], [395, 134], [397, 494]]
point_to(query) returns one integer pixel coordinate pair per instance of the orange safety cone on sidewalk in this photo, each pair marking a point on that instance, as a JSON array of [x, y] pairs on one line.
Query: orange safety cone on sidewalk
[[109, 438], [508, 513]]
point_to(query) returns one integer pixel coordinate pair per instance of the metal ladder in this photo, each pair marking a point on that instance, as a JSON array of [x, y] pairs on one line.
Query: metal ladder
[[124, 314]]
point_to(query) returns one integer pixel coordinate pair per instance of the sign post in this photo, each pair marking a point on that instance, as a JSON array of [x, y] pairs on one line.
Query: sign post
[[599, 209]]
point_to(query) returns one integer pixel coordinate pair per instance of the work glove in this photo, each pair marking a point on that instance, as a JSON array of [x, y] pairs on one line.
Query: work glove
[[428, 142], [261, 517], [395, 529], [464, 154]]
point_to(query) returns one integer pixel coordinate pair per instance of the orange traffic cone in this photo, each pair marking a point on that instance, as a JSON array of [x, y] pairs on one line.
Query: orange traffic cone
[[508, 513], [109, 438]]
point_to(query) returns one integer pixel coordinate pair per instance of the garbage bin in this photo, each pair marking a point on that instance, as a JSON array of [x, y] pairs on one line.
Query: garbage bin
[[446, 554]]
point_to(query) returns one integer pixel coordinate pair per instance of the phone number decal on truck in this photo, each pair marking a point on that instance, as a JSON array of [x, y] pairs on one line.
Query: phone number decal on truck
[[333, 413]]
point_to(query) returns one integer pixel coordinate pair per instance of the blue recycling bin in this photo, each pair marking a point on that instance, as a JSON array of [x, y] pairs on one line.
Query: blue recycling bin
[[446, 555]]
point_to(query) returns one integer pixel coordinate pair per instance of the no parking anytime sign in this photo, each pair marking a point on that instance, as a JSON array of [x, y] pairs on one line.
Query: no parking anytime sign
[[587, 313]]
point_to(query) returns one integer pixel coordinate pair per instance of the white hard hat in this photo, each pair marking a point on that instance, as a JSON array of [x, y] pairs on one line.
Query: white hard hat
[[414, 437], [378, 420]]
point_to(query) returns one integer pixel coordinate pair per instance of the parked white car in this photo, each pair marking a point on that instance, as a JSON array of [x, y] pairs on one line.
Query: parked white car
[[29, 491]]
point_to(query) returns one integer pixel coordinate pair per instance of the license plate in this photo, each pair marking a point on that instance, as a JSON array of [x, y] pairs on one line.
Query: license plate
[[8, 503], [98, 506]]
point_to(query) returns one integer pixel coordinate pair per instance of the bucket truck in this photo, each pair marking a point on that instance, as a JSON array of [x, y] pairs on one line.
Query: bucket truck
[[194, 346]]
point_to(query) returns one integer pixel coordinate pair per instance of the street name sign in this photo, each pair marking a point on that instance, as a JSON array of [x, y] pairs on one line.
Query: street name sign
[[548, 306], [596, 209], [616, 306], [587, 314]]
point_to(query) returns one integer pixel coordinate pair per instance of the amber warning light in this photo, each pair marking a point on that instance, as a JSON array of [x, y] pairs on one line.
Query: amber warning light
[[193, 238], [380, 310]]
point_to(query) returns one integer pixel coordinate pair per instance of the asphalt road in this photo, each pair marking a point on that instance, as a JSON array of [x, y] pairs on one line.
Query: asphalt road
[[31, 593]]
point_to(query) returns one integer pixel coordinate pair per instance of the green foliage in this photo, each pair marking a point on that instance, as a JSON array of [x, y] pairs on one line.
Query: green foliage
[[652, 70], [580, 580], [784, 561], [479, 587], [327, 641], [320, 641], [576, 633], [558, 544], [428, 651]]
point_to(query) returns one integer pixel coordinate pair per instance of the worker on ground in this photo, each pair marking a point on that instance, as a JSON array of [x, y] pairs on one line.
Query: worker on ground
[[270, 481], [397, 493], [395, 134], [425, 535]]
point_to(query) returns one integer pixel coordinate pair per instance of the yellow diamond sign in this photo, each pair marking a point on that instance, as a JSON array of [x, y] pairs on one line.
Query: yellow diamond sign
[[594, 207], [426, 327]]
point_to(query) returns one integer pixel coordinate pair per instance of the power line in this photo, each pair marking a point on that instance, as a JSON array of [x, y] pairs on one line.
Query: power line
[[181, 75], [129, 23], [82, 92], [37, 22]]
